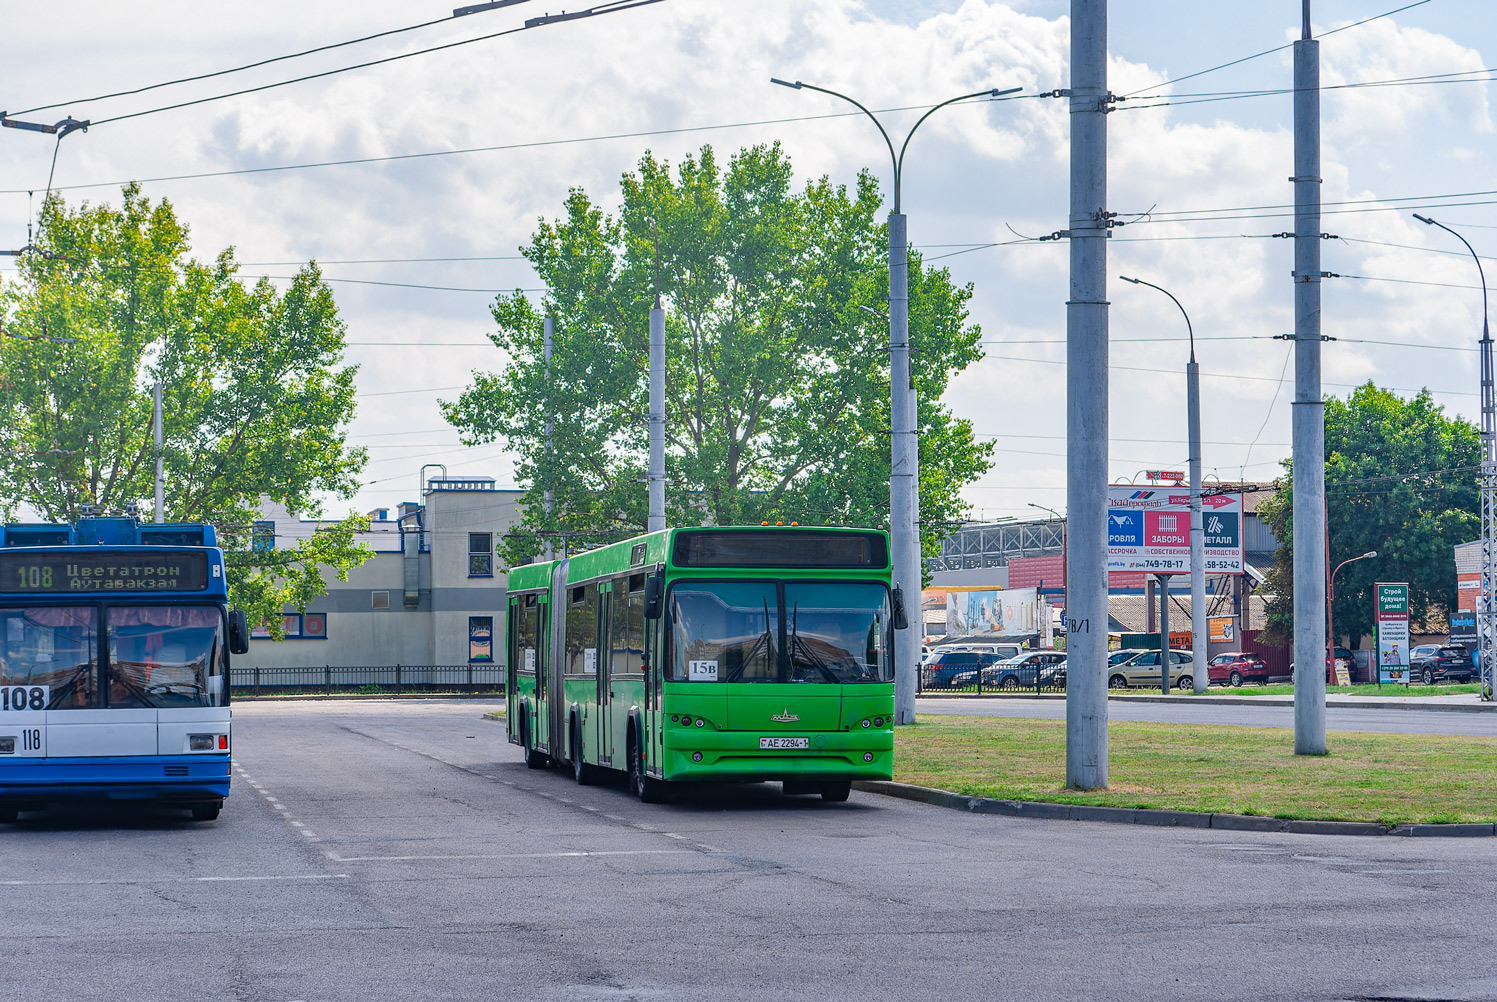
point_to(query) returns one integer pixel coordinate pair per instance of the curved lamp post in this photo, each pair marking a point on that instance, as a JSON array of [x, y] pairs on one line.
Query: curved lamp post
[[1486, 604], [1199, 676], [904, 463], [1330, 596]]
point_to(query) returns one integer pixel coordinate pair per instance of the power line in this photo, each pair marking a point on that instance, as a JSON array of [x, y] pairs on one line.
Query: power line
[[644, 134], [388, 260], [1269, 52], [235, 69], [531, 23]]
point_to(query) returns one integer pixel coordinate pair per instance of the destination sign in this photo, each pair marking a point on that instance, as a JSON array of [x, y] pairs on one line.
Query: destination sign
[[81, 573]]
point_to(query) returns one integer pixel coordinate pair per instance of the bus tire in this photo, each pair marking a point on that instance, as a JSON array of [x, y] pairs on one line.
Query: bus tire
[[836, 792], [533, 758], [207, 810], [647, 789], [581, 771]]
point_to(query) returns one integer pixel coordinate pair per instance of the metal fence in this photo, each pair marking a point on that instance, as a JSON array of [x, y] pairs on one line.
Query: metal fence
[[375, 680], [936, 680]]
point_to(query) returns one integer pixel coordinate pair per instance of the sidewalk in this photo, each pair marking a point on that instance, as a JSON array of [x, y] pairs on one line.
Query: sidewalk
[[1462, 703]]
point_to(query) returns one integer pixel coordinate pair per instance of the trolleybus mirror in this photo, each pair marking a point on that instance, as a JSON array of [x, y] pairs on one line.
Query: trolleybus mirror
[[654, 596], [238, 632], [901, 620]]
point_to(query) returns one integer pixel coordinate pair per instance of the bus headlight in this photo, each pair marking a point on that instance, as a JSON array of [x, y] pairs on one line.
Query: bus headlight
[[200, 742], [868, 756]]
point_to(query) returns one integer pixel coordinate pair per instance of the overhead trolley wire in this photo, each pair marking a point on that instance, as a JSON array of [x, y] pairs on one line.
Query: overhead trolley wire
[[234, 69]]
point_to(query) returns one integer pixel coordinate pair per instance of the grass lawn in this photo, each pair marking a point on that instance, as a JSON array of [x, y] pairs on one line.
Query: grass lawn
[[1285, 689], [1391, 778]]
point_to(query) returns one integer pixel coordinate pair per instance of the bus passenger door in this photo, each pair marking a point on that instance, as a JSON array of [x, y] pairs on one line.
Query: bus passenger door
[[602, 733]]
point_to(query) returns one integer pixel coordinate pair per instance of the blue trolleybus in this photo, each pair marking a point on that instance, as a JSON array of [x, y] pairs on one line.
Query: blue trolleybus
[[114, 665]]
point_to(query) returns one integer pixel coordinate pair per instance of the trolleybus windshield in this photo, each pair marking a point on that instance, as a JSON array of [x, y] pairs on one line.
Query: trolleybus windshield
[[742, 631], [54, 647], [165, 655]]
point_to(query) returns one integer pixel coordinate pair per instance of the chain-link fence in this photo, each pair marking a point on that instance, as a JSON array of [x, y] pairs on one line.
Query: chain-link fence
[[368, 681]]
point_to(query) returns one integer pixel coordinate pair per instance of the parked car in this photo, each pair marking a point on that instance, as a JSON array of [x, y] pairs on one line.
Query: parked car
[[1445, 664], [942, 669], [1014, 673], [1004, 651], [1236, 667], [1342, 654], [1143, 669]]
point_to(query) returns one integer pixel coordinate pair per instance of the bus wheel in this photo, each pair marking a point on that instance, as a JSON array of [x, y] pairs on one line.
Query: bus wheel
[[533, 758], [649, 791], [836, 792], [580, 769], [207, 810]]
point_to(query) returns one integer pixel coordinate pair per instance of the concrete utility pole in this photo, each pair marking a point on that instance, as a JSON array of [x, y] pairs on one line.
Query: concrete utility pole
[[657, 400], [904, 505], [548, 345], [1164, 634], [160, 437], [1309, 410], [1086, 404]]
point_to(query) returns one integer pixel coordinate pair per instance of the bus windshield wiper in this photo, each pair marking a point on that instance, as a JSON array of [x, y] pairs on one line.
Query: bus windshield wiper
[[797, 644], [748, 657]]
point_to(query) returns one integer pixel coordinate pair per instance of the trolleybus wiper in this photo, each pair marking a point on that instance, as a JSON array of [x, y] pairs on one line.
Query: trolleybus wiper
[[748, 656]]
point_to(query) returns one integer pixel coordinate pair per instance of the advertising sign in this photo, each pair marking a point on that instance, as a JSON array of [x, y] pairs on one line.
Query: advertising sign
[[992, 612], [1221, 629], [1392, 632], [1148, 529], [1467, 587]]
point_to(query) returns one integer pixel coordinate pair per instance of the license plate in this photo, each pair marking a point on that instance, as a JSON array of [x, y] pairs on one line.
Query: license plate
[[784, 742]]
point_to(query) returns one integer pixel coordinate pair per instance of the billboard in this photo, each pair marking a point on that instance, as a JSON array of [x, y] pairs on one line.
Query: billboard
[[1148, 529], [992, 612], [1392, 632], [1467, 587], [1221, 630]]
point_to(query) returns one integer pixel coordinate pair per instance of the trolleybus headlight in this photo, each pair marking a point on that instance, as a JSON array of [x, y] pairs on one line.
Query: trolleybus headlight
[[868, 756], [700, 722], [685, 721], [696, 756], [878, 721], [675, 718], [7, 746], [200, 742], [867, 722]]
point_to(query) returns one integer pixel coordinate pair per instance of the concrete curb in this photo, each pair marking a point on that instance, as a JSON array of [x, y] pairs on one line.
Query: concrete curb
[[1168, 819], [1390, 703]]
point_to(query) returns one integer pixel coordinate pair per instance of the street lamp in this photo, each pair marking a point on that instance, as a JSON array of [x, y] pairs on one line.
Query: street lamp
[[904, 461], [1330, 596], [1064, 583], [1486, 605], [1198, 673]]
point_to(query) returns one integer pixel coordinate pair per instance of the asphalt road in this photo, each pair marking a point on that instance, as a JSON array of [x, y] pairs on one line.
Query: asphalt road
[[1398, 721], [399, 851]]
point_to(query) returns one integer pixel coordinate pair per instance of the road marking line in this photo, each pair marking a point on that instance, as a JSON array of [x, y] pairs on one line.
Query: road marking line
[[298, 824], [515, 855], [172, 880]]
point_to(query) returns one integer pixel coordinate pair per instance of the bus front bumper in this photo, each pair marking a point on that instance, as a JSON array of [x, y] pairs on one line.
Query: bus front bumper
[[736, 756], [143, 777]]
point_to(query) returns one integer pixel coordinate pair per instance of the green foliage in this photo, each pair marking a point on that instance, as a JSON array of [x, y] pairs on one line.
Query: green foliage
[[1401, 480], [777, 381], [256, 401]]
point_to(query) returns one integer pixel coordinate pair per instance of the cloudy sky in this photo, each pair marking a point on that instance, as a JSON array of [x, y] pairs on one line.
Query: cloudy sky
[[1203, 180]]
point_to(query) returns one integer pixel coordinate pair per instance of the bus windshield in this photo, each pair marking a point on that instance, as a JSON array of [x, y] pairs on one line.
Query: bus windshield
[[762, 631], [54, 646], [165, 656]]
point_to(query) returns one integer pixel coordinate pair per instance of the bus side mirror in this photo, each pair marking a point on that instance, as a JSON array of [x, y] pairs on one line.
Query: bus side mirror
[[238, 632], [901, 618], [654, 596]]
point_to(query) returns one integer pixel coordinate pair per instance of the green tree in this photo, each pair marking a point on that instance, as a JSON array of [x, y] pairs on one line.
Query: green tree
[[1401, 480], [777, 382], [256, 399]]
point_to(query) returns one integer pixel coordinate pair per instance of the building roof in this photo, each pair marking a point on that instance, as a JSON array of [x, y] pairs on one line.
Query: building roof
[[1130, 612]]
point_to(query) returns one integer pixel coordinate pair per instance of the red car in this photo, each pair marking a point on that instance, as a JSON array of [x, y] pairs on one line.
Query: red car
[[1235, 668]]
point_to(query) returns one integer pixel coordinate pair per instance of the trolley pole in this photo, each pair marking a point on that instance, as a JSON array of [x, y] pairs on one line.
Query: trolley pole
[[548, 345], [1086, 404], [657, 400], [159, 435], [1309, 410]]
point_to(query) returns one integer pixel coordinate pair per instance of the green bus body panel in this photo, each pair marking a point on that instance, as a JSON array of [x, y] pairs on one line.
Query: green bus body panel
[[735, 715]]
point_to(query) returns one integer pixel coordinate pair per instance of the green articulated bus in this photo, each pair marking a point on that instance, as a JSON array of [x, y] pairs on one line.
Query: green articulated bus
[[709, 655]]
